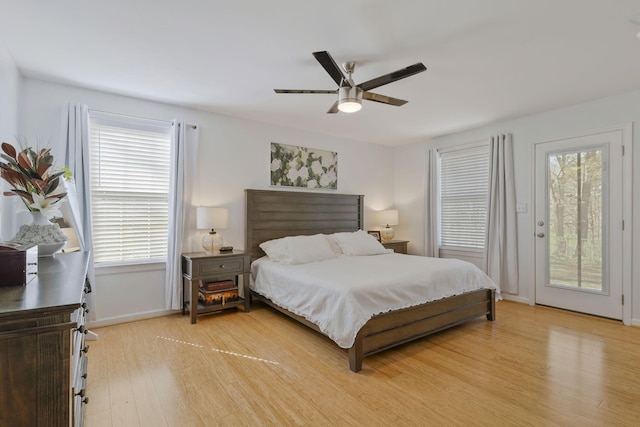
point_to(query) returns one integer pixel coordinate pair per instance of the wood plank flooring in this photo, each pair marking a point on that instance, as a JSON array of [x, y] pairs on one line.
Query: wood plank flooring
[[533, 366]]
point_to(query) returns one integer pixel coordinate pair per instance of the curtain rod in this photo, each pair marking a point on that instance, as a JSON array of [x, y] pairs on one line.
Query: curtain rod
[[141, 118], [130, 116]]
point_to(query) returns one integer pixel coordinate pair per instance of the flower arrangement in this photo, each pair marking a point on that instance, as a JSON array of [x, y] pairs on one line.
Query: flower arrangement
[[29, 172]]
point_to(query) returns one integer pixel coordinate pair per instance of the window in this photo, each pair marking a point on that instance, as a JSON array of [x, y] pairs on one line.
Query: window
[[464, 188], [129, 188]]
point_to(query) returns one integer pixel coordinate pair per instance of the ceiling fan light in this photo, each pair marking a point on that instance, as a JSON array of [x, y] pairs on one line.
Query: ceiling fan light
[[349, 106], [349, 99]]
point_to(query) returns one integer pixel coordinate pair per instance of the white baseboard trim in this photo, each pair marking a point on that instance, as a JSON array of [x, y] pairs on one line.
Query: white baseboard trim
[[159, 313], [515, 298], [130, 318]]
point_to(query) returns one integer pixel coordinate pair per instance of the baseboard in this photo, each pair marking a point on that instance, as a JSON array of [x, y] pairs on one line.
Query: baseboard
[[129, 318], [514, 298]]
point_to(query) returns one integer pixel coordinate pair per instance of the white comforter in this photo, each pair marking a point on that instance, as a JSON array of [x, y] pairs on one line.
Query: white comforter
[[340, 295]]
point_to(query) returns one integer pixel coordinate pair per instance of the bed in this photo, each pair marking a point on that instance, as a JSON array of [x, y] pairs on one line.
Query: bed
[[276, 214]]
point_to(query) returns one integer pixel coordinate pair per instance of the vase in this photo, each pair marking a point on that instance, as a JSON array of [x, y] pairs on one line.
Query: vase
[[42, 232], [38, 218]]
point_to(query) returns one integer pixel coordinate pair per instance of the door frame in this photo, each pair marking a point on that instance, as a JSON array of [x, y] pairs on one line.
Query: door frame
[[627, 204]]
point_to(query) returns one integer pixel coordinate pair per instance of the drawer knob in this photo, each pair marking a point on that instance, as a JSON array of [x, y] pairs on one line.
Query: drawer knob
[[80, 393], [85, 349], [85, 400], [222, 266]]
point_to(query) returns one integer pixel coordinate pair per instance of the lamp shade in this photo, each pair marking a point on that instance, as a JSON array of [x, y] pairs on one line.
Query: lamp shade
[[388, 217], [211, 218]]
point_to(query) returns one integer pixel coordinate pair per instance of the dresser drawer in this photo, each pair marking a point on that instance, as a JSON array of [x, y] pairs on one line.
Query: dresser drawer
[[79, 400], [216, 266], [78, 348]]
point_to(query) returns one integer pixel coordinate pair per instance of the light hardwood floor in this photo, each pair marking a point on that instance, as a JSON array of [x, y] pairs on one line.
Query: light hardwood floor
[[532, 366]]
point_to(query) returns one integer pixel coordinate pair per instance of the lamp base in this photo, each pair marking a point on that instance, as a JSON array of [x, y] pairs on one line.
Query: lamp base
[[386, 234], [212, 242]]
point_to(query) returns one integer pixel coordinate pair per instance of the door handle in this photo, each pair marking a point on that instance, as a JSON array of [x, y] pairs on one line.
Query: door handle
[[540, 235]]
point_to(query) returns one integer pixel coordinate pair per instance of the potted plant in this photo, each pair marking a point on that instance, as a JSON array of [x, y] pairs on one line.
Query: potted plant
[[29, 171]]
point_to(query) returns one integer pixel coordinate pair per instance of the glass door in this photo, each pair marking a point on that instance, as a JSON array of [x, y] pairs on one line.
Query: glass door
[[579, 224]]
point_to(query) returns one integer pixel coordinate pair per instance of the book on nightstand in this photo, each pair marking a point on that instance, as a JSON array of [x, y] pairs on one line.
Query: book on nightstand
[[218, 297], [216, 286]]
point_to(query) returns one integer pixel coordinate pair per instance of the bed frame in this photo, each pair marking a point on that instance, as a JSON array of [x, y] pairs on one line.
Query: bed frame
[[276, 214]]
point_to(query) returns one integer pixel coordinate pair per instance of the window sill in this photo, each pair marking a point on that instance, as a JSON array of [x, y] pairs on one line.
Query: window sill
[[107, 268]]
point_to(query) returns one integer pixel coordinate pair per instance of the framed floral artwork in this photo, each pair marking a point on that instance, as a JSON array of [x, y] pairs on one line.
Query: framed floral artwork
[[294, 166]]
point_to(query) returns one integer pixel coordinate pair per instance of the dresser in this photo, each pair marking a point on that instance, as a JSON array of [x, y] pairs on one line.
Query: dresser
[[43, 362]]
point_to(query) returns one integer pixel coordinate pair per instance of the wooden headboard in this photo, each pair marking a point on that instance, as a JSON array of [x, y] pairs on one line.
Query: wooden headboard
[[276, 214]]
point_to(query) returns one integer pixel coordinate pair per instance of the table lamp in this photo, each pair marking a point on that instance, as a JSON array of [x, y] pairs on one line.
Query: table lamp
[[212, 218], [387, 218]]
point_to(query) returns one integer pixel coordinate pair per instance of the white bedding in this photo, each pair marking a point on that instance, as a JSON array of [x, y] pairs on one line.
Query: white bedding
[[341, 294]]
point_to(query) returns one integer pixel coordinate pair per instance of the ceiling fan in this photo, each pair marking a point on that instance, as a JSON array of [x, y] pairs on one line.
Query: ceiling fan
[[350, 95]]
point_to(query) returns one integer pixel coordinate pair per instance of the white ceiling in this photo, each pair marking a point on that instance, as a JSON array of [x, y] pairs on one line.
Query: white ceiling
[[487, 60]]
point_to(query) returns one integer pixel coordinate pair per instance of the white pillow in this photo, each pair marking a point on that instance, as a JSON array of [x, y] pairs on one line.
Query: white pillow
[[335, 247], [298, 249], [359, 243]]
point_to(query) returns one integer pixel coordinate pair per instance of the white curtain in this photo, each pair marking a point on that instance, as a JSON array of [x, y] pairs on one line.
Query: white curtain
[[8, 213], [75, 135], [184, 147], [430, 197], [501, 256]]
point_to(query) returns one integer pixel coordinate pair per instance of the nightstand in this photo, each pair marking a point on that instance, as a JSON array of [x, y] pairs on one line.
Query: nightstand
[[211, 268], [399, 246]]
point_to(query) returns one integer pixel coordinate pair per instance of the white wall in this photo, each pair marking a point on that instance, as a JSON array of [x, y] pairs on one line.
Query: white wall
[[9, 88], [233, 155], [526, 131]]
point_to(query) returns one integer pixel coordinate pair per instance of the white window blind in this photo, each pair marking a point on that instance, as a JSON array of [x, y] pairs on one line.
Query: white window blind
[[129, 189], [464, 187]]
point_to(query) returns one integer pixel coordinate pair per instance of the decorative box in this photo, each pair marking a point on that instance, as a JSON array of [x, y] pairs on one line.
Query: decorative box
[[18, 263], [217, 298]]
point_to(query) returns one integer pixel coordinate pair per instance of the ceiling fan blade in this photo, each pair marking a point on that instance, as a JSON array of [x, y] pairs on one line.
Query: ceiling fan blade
[[383, 99], [305, 91], [392, 77], [331, 67], [333, 109]]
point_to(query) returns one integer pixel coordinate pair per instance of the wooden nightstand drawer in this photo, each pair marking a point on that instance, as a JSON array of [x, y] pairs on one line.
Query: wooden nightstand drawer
[[398, 246], [208, 267]]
